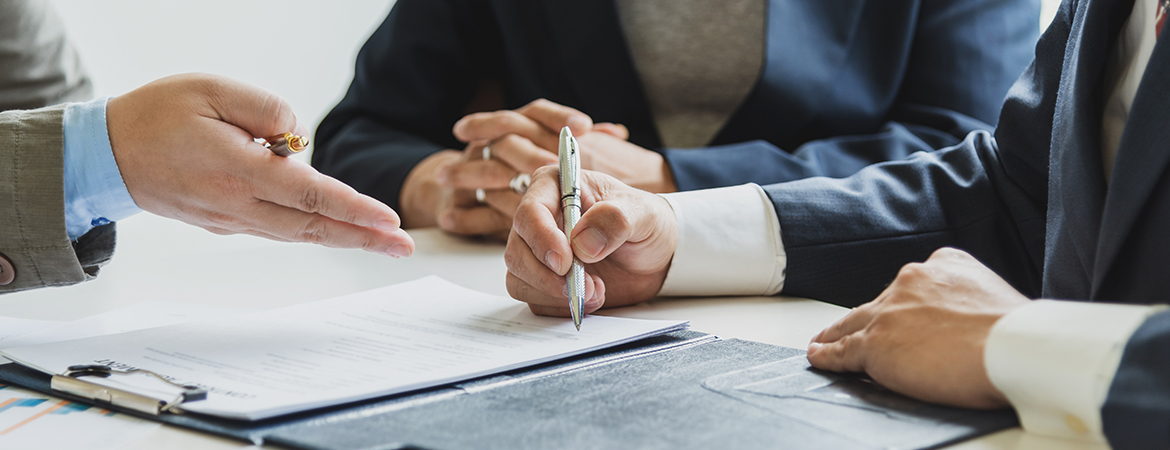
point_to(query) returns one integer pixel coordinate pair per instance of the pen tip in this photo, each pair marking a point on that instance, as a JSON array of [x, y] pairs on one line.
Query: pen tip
[[578, 326], [566, 133]]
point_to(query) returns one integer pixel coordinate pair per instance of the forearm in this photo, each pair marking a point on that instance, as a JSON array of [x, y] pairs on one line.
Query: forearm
[[763, 163], [866, 227]]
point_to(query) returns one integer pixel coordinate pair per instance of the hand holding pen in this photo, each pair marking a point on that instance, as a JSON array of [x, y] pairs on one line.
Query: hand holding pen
[[624, 241]]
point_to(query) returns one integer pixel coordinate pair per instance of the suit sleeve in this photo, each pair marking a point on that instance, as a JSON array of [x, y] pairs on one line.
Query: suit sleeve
[[413, 80], [963, 60], [39, 67], [33, 215], [1136, 414], [987, 195]]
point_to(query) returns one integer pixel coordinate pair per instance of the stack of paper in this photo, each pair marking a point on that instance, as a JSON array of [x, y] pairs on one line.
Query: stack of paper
[[395, 339]]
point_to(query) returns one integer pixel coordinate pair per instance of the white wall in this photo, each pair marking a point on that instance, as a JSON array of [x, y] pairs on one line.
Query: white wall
[[302, 50]]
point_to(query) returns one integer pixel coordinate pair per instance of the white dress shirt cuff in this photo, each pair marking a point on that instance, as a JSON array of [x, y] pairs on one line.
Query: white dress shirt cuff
[[94, 192], [728, 244], [1055, 361]]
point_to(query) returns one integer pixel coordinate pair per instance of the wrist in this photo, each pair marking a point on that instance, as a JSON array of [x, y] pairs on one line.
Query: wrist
[[421, 191], [660, 179]]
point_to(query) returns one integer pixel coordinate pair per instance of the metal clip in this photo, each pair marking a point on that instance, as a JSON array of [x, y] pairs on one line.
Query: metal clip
[[68, 382]]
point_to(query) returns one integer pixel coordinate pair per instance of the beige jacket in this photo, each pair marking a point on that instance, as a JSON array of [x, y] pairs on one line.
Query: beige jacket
[[39, 68]]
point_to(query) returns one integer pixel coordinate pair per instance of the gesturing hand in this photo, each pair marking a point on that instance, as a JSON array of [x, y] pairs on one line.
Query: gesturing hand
[[184, 146], [924, 335], [626, 238]]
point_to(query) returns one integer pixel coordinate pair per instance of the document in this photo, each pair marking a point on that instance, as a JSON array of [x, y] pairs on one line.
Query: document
[[391, 340]]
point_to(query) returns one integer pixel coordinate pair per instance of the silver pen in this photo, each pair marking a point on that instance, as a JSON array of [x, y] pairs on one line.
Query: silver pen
[[570, 157]]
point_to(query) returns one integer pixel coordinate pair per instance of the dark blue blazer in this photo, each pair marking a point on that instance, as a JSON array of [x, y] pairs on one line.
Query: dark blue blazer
[[844, 83], [1031, 202]]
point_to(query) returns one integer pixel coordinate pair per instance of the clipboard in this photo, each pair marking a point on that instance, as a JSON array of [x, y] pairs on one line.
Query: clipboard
[[680, 390]]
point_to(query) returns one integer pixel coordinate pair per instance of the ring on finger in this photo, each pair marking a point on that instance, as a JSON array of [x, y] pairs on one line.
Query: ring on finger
[[520, 183], [480, 196], [487, 152]]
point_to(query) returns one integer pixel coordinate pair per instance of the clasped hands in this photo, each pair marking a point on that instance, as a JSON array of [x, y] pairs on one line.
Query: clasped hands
[[924, 335], [442, 189]]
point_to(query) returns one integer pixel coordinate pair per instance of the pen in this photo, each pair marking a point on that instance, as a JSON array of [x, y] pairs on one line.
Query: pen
[[570, 164], [286, 144]]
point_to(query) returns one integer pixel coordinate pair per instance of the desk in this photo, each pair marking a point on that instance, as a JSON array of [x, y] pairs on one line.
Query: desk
[[160, 259]]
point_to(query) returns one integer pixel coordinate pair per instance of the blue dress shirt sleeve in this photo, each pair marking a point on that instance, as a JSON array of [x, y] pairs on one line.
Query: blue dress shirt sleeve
[[94, 192]]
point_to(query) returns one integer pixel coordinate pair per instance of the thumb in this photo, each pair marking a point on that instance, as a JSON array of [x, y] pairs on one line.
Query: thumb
[[612, 222], [257, 111]]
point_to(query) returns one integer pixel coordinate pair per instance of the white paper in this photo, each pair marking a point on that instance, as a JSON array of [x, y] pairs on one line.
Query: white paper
[[394, 339], [134, 317], [12, 327]]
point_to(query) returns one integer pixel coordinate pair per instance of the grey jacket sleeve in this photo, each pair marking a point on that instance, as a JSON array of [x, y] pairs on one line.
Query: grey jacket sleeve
[[38, 67]]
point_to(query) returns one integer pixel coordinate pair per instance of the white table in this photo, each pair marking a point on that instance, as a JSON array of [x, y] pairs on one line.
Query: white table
[[159, 259]]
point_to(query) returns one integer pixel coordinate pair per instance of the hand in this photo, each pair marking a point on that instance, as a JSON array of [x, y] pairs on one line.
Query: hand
[[536, 126], [440, 190], [185, 148], [633, 165], [924, 335], [626, 238]]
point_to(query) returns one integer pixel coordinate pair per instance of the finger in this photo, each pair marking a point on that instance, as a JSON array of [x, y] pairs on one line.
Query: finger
[[608, 224], [845, 355], [555, 116], [521, 154], [473, 220], [298, 226], [298, 185], [505, 201], [535, 222], [529, 280], [493, 125], [855, 321], [476, 174], [613, 129], [257, 111]]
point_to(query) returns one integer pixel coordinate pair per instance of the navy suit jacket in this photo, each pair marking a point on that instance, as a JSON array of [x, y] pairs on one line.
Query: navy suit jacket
[[1031, 202], [844, 84]]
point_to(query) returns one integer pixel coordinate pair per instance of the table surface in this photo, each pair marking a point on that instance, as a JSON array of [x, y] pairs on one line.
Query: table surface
[[161, 259]]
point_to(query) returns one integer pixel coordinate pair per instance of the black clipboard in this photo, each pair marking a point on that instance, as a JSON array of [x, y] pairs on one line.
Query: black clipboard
[[680, 390]]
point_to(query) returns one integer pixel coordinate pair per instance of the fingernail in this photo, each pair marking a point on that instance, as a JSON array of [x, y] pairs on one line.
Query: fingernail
[[553, 261], [593, 301], [591, 241], [578, 124], [386, 225], [814, 347], [398, 251], [458, 128], [443, 175]]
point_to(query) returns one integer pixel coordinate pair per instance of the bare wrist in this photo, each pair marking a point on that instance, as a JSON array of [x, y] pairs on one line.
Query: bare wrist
[[419, 199]]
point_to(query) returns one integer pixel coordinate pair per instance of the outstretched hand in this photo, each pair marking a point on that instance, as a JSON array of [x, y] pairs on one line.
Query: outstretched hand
[[184, 146], [924, 335]]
